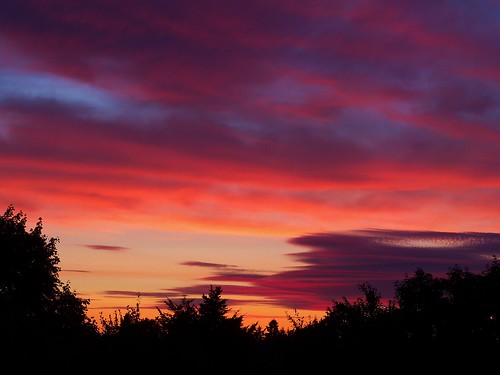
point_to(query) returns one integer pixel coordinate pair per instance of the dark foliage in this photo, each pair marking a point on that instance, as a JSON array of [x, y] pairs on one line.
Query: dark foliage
[[448, 324], [39, 314]]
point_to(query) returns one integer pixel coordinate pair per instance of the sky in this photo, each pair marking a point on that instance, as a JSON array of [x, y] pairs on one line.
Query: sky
[[284, 150]]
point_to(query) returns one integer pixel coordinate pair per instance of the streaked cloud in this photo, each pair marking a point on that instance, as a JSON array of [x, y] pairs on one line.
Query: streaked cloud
[[42, 92], [77, 271], [334, 264], [208, 265], [106, 247]]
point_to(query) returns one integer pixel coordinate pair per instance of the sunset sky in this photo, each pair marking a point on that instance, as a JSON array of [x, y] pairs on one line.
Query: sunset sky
[[284, 150]]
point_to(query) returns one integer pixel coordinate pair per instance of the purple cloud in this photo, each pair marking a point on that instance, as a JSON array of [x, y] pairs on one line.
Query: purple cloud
[[208, 265], [77, 271], [336, 263], [106, 247]]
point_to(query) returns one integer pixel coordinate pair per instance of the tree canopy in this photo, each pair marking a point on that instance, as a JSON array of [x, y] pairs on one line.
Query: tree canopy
[[35, 305]]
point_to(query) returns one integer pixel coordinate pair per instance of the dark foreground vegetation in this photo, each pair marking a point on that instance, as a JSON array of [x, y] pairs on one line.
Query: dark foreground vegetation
[[448, 324]]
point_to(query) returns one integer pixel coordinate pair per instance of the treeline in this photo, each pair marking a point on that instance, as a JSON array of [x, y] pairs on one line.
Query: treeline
[[450, 321]]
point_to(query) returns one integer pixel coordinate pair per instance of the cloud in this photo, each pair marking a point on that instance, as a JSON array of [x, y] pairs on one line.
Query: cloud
[[336, 263], [77, 271], [106, 247], [42, 92], [208, 265], [228, 273], [32, 87]]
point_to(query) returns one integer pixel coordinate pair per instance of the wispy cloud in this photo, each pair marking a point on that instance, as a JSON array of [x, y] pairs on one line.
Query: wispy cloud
[[77, 271], [208, 265], [106, 247]]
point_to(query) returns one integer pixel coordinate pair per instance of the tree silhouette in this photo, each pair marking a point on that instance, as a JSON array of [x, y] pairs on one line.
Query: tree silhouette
[[181, 320], [422, 306], [212, 312], [37, 310], [273, 331], [359, 324], [474, 305]]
